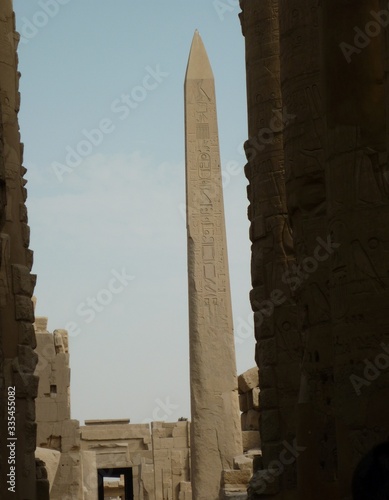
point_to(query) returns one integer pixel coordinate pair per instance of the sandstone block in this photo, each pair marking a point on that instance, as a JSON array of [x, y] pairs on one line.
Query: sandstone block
[[251, 440], [236, 477], [26, 385], [251, 421], [108, 432], [156, 442], [243, 402], [161, 455], [22, 281], [180, 430], [24, 308], [253, 399], [177, 458], [27, 334], [160, 432], [27, 359], [235, 495], [243, 462], [51, 459], [63, 410], [167, 443], [180, 442], [185, 491], [248, 380]]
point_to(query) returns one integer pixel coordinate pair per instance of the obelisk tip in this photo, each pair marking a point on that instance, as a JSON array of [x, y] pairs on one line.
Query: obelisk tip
[[198, 67]]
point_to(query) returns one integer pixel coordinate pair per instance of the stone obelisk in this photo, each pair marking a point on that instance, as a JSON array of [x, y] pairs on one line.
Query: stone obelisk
[[216, 435]]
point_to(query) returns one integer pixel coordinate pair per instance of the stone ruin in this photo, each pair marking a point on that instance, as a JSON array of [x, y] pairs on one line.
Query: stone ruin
[[138, 461], [317, 152]]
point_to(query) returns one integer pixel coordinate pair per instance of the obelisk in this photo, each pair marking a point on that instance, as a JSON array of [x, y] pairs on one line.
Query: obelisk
[[216, 435]]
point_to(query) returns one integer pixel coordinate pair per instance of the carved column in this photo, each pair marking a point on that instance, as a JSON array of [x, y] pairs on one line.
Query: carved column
[[278, 348], [358, 218], [16, 283], [306, 194]]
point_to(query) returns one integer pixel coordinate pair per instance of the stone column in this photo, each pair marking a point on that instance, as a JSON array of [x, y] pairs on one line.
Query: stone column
[[215, 431], [16, 283], [278, 349], [358, 217], [304, 143]]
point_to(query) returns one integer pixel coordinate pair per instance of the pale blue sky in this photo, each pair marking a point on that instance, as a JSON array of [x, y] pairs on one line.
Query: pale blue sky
[[119, 207]]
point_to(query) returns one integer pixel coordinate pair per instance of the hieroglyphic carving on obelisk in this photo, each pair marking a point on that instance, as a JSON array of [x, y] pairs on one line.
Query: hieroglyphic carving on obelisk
[[216, 435]]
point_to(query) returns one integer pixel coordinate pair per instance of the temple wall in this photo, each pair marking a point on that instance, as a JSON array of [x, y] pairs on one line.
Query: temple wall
[[17, 340], [158, 455], [74, 477]]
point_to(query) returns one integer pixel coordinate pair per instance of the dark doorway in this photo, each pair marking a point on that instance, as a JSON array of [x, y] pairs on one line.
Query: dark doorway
[[115, 474]]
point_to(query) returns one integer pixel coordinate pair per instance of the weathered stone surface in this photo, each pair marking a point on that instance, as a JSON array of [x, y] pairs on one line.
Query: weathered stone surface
[[216, 436], [236, 476], [273, 258], [51, 459], [253, 399], [229, 495], [250, 420], [42, 483], [158, 454], [243, 402], [17, 359], [248, 380], [111, 431], [185, 489], [243, 462], [251, 440], [263, 483], [307, 59]]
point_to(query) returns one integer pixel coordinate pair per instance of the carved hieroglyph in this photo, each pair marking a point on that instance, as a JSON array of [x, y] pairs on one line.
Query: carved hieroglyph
[[358, 216], [304, 142], [278, 348], [334, 88], [216, 436]]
